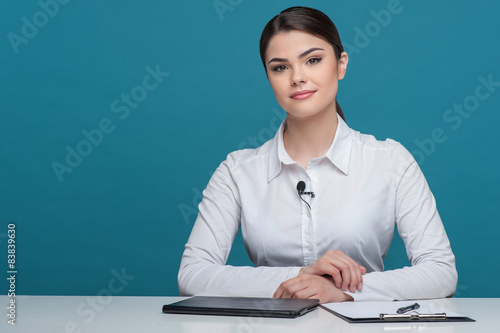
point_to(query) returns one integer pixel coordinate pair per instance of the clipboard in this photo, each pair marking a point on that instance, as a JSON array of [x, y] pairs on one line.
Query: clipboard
[[386, 312], [243, 306]]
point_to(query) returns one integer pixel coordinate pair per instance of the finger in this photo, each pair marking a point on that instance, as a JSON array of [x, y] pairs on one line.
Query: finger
[[324, 290], [355, 274], [314, 285], [345, 273], [284, 292], [283, 288], [363, 271], [292, 292], [292, 286], [357, 279], [336, 276], [325, 266], [279, 291], [351, 272], [346, 278], [322, 265], [304, 293]]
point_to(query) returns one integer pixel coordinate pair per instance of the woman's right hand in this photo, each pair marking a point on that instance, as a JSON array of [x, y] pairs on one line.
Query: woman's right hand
[[346, 273]]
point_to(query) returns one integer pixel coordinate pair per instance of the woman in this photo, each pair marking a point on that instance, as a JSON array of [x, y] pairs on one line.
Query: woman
[[318, 203]]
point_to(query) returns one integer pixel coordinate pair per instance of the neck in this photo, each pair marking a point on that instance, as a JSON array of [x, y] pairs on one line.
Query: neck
[[310, 137]]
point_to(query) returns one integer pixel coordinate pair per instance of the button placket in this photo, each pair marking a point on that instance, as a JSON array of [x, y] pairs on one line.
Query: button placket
[[306, 220], [308, 239]]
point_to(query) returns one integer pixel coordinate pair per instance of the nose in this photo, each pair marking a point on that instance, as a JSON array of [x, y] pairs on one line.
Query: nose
[[298, 77]]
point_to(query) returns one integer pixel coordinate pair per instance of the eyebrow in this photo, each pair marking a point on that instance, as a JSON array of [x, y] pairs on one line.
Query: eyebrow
[[302, 55]]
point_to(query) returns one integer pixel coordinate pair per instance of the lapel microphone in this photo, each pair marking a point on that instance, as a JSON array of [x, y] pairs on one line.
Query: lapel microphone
[[301, 186]]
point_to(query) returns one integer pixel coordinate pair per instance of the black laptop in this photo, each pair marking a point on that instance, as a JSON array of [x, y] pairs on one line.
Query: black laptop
[[243, 306]]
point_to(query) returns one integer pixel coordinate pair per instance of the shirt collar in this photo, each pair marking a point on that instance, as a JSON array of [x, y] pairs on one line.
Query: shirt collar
[[339, 152], [277, 153]]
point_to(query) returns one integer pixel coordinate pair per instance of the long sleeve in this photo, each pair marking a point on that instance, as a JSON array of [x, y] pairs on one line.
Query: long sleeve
[[203, 267], [433, 273], [363, 187]]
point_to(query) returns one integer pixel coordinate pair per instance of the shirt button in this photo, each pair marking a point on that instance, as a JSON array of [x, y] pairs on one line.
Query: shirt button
[[308, 214], [309, 248], [313, 180]]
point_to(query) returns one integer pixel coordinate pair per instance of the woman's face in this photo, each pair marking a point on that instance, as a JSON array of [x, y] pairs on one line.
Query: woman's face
[[303, 73]]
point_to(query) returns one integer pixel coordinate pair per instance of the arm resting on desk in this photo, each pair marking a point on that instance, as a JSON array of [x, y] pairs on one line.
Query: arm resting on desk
[[433, 273], [203, 267]]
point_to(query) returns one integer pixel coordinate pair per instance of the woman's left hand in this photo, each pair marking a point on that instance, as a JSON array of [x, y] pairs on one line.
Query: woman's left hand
[[311, 286]]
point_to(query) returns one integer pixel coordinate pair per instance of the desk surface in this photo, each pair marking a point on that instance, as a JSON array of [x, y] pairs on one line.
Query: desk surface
[[75, 314]]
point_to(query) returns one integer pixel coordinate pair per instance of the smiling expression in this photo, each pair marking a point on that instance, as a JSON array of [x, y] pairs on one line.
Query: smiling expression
[[304, 73]]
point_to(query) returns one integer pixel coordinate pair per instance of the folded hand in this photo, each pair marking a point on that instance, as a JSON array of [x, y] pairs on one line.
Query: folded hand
[[345, 272], [311, 286]]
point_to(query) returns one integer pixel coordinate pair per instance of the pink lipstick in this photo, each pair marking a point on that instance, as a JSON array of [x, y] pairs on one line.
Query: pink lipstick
[[302, 94]]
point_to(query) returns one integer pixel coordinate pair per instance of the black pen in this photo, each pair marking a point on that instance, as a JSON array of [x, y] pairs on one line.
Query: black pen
[[408, 308]]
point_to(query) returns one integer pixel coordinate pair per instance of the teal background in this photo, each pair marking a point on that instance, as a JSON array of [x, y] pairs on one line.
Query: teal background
[[131, 202]]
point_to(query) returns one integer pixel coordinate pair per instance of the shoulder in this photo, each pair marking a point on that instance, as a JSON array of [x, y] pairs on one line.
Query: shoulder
[[253, 158], [249, 155], [391, 149]]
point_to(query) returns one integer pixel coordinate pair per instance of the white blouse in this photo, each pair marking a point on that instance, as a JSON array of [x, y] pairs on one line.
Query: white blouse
[[363, 188]]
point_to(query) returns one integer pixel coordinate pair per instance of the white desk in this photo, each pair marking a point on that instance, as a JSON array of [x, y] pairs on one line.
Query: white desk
[[74, 314]]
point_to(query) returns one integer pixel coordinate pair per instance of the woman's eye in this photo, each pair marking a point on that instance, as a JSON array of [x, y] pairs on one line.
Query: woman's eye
[[279, 68], [313, 61]]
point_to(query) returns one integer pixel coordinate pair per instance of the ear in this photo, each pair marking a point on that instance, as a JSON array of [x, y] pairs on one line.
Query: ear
[[342, 65]]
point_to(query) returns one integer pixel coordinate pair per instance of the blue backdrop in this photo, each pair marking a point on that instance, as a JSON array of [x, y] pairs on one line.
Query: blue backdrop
[[114, 115]]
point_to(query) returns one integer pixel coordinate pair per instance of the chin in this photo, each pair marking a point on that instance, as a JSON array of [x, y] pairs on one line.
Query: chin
[[301, 114], [306, 110]]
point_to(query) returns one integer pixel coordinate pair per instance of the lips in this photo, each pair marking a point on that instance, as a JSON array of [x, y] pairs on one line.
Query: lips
[[302, 94]]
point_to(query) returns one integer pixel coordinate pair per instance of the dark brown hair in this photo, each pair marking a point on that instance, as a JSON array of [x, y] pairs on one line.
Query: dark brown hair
[[305, 19]]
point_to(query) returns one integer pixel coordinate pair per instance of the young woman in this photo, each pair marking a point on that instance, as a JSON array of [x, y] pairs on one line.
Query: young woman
[[317, 204]]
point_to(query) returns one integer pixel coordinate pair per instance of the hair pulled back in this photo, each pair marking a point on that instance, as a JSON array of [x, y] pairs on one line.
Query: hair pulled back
[[305, 19]]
